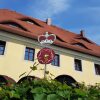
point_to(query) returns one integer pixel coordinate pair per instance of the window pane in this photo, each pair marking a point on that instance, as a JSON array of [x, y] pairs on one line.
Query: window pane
[[78, 65], [2, 47], [26, 57], [31, 50], [52, 63], [31, 58], [55, 61], [27, 50], [97, 69], [29, 54], [26, 53], [1, 52]]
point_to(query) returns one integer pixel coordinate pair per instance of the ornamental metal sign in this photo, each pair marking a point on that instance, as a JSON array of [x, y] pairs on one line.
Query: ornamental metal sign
[[47, 38], [45, 56]]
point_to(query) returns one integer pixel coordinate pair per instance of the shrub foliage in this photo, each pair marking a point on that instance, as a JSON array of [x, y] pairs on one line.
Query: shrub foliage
[[48, 90]]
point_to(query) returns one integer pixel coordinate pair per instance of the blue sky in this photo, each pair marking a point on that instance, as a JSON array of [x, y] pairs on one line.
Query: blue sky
[[72, 15]]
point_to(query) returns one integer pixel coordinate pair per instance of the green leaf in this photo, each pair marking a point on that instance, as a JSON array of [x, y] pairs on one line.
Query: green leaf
[[80, 99], [38, 90], [65, 94], [54, 97], [33, 68], [13, 94], [40, 97], [80, 92]]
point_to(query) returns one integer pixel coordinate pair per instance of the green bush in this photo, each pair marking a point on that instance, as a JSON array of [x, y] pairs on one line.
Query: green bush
[[48, 90]]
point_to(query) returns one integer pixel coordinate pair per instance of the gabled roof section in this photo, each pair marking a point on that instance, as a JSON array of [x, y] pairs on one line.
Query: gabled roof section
[[29, 27], [82, 37]]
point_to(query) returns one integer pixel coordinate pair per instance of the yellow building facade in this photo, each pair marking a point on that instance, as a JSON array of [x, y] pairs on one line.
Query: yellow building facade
[[13, 62]]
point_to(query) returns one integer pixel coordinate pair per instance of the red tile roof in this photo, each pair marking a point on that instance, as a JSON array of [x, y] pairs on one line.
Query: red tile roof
[[19, 24]]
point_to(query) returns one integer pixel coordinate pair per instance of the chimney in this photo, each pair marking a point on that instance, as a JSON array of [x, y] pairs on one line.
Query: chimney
[[48, 21], [82, 33]]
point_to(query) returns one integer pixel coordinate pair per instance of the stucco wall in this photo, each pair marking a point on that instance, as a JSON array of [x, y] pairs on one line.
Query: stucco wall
[[12, 63]]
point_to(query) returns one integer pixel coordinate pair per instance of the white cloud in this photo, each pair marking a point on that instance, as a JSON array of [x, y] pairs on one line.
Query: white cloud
[[49, 8]]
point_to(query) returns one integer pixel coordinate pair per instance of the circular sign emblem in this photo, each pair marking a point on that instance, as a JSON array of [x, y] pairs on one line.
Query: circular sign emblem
[[45, 56]]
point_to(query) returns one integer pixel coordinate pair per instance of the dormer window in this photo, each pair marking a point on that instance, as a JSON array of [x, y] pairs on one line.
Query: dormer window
[[30, 21], [80, 45], [13, 25]]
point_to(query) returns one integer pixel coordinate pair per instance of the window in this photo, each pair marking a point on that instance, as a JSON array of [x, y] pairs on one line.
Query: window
[[56, 60], [14, 25], [78, 65], [97, 69], [30, 21], [29, 54], [80, 45], [2, 47]]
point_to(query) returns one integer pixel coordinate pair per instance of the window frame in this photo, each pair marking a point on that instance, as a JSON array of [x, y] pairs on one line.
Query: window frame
[[97, 70], [79, 66], [28, 52], [3, 45], [56, 63]]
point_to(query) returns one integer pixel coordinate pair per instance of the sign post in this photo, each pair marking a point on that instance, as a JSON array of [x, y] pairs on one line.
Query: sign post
[[46, 55]]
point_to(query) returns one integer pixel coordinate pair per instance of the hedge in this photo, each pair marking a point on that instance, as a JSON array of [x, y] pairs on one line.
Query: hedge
[[48, 90]]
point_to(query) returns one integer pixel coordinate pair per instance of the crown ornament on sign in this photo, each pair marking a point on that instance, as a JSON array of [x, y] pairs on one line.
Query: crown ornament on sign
[[47, 38]]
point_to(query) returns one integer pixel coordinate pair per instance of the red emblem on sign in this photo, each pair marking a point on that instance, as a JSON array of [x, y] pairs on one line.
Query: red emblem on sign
[[45, 56]]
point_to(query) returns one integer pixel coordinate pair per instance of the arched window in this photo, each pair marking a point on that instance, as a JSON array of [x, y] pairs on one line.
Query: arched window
[[28, 78], [5, 80], [66, 79]]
